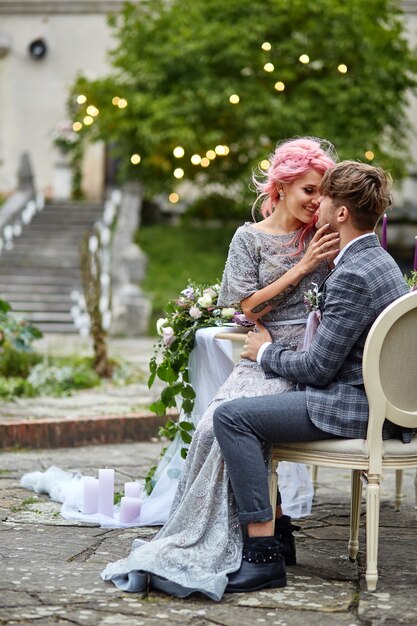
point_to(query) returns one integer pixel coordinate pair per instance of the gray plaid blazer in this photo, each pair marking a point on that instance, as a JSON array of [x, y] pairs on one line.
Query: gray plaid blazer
[[363, 284]]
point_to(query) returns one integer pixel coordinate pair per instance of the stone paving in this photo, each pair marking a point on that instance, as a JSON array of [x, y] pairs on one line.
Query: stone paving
[[50, 567]]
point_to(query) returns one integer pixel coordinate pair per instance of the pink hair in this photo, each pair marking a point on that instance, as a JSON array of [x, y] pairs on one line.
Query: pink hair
[[292, 159]]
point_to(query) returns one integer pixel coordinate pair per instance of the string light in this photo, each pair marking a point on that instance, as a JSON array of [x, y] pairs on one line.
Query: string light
[[234, 98], [135, 159], [219, 150], [115, 101], [279, 86], [196, 159], [265, 164], [81, 99], [88, 120], [210, 154], [178, 152], [269, 67], [178, 172], [369, 155], [77, 126], [226, 150], [92, 110], [266, 46], [342, 68], [205, 162], [173, 197], [122, 104], [304, 58]]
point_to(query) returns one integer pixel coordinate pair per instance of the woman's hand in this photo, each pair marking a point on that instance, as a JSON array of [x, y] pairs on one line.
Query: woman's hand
[[323, 247]]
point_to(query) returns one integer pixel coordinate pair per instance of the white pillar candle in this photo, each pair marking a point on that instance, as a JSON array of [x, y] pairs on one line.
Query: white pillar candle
[[129, 509], [106, 491], [132, 490], [90, 496]]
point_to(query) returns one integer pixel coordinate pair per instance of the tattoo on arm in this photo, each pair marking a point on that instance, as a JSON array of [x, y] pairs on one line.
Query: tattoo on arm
[[274, 301]]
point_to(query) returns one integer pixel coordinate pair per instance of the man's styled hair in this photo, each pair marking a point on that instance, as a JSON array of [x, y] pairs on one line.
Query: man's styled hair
[[364, 189]]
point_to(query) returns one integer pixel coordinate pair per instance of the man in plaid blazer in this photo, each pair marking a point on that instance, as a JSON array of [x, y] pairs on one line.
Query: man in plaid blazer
[[363, 283]]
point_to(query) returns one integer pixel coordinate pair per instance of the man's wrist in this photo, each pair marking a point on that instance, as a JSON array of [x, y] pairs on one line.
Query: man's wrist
[[262, 350]]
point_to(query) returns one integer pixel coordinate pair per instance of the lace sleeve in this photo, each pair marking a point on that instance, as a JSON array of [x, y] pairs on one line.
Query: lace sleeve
[[241, 272]]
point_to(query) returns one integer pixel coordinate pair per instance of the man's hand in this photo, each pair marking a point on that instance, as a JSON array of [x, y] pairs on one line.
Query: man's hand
[[254, 340]]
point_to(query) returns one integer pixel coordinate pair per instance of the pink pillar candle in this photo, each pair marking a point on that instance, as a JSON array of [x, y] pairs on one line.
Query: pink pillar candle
[[106, 491], [129, 510], [132, 490], [384, 232], [90, 496], [415, 255]]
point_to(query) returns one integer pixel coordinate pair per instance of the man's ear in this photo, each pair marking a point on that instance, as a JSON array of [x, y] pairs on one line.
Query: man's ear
[[342, 214]]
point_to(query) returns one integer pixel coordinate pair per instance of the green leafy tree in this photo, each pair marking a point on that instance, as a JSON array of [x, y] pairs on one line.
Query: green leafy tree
[[340, 69]]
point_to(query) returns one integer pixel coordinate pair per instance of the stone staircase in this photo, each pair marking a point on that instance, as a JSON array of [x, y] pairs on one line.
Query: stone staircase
[[39, 273]]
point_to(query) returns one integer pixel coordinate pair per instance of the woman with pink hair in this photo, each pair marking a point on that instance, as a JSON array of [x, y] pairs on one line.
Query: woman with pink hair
[[270, 265]]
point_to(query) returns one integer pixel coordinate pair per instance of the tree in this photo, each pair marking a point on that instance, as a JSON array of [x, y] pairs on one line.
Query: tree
[[340, 69]]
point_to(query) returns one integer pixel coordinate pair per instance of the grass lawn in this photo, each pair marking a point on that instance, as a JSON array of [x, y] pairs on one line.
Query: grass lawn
[[177, 254]]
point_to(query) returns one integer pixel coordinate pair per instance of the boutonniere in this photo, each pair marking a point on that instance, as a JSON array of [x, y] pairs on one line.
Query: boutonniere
[[312, 298]]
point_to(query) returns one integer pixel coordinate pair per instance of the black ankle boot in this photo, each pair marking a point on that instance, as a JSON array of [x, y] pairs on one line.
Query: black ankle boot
[[262, 566], [284, 532]]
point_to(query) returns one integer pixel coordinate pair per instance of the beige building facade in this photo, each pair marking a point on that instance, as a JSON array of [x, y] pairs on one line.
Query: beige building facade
[[34, 88]]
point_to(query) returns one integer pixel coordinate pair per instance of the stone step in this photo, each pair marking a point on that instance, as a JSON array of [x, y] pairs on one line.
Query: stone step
[[51, 317], [35, 251], [20, 299], [32, 274], [44, 264], [34, 278], [39, 306], [49, 222], [51, 327]]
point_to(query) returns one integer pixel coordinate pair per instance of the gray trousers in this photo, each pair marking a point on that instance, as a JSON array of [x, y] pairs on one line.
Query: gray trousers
[[242, 427]]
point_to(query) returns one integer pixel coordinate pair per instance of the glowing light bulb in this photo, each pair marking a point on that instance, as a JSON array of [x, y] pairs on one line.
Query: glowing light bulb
[[122, 104], [279, 86], [178, 152], [92, 110], [226, 150], [219, 150], [210, 154], [369, 155], [266, 45], [205, 162], [135, 159], [173, 197], [304, 58], [264, 164], [77, 126], [88, 120], [178, 172], [342, 68], [81, 99], [115, 101], [196, 159], [269, 67], [234, 98]]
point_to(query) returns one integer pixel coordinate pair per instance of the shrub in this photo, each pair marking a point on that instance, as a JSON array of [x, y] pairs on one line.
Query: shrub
[[16, 363]]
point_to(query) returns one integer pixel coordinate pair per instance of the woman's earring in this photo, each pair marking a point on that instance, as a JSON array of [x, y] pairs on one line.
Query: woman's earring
[[281, 195]]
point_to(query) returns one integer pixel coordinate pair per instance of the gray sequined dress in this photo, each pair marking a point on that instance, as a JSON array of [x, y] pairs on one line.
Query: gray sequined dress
[[201, 541]]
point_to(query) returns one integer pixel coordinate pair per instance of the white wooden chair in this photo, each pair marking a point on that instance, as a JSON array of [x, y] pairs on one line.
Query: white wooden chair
[[389, 370]]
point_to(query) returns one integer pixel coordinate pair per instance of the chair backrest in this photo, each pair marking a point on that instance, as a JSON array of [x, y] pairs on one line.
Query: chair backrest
[[390, 367]]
